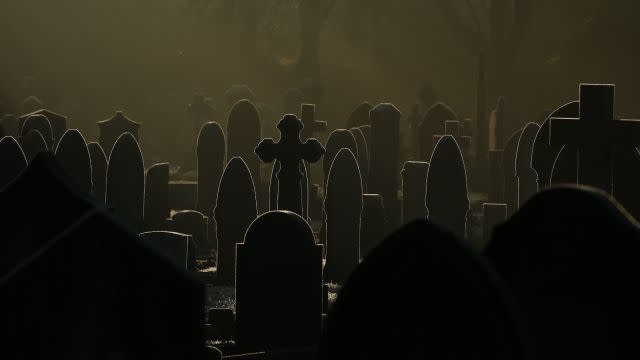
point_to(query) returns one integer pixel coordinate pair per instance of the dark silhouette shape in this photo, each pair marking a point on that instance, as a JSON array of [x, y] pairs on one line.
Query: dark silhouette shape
[[125, 181], [279, 257], [98, 170], [565, 167], [338, 139], [360, 116], [192, 223], [104, 287], [461, 310], [111, 129], [156, 197], [234, 212], [12, 160], [414, 189], [58, 123], [544, 154], [509, 167], [73, 157], [343, 209], [433, 124], [290, 151], [373, 226], [569, 255], [627, 177], [363, 155], [173, 245], [41, 124], [211, 152], [526, 175], [447, 198], [243, 135], [32, 144]]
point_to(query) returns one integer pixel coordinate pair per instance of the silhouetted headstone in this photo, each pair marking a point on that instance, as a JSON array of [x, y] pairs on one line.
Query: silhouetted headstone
[[156, 197], [243, 135], [41, 124], [433, 124], [414, 186], [492, 215], [343, 209], [496, 175], [32, 144], [290, 151], [338, 139], [98, 170], [235, 210], [211, 153], [384, 169], [111, 130], [125, 181], [360, 116], [366, 131], [173, 245], [374, 223], [544, 154], [12, 160], [196, 224], [569, 256], [509, 167], [57, 122], [279, 257], [527, 177], [447, 199], [363, 155], [460, 310], [73, 156]]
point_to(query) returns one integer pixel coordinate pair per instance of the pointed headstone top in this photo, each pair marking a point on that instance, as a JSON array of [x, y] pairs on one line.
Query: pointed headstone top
[[119, 119]]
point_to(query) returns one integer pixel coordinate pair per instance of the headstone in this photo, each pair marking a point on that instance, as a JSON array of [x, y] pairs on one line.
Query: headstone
[[290, 151], [156, 197], [447, 198], [343, 209], [414, 186], [363, 155], [595, 133], [73, 156], [509, 167], [374, 223], [111, 130], [238, 92], [384, 169], [569, 255], [433, 124], [459, 310], [211, 153], [311, 125], [565, 167], [338, 139], [10, 126], [360, 116], [32, 144], [57, 122], [125, 181], [279, 257], [41, 124], [496, 175], [12, 160], [493, 214], [98, 170], [243, 135], [527, 177], [544, 154], [366, 131], [293, 100], [468, 127], [200, 112], [173, 245], [196, 224], [235, 210]]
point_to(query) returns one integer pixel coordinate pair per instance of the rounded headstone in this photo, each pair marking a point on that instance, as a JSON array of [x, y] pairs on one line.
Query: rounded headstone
[[12, 160], [32, 144], [211, 152], [363, 155], [41, 124], [73, 156]]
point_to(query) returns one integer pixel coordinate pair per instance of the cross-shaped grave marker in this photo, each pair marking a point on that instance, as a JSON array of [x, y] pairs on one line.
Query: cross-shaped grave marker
[[289, 151], [595, 133]]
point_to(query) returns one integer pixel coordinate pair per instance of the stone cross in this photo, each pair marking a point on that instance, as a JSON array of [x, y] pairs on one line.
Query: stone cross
[[595, 133], [289, 151]]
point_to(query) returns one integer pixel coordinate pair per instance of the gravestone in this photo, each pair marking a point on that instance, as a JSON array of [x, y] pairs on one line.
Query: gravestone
[[360, 116], [366, 131], [343, 209], [32, 144], [41, 124], [414, 186], [279, 256], [384, 169], [73, 156], [10, 126], [200, 112], [12, 160], [468, 127], [98, 170], [569, 255], [235, 210], [293, 100], [290, 151], [544, 154], [338, 139], [109, 307], [125, 181], [111, 129], [211, 154], [565, 167], [374, 223], [447, 198], [58, 124], [238, 92], [496, 175], [492, 215], [363, 155], [156, 197], [595, 134], [243, 135], [527, 177], [460, 310], [196, 224], [304, 183], [433, 124], [509, 167], [173, 245], [311, 125]]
